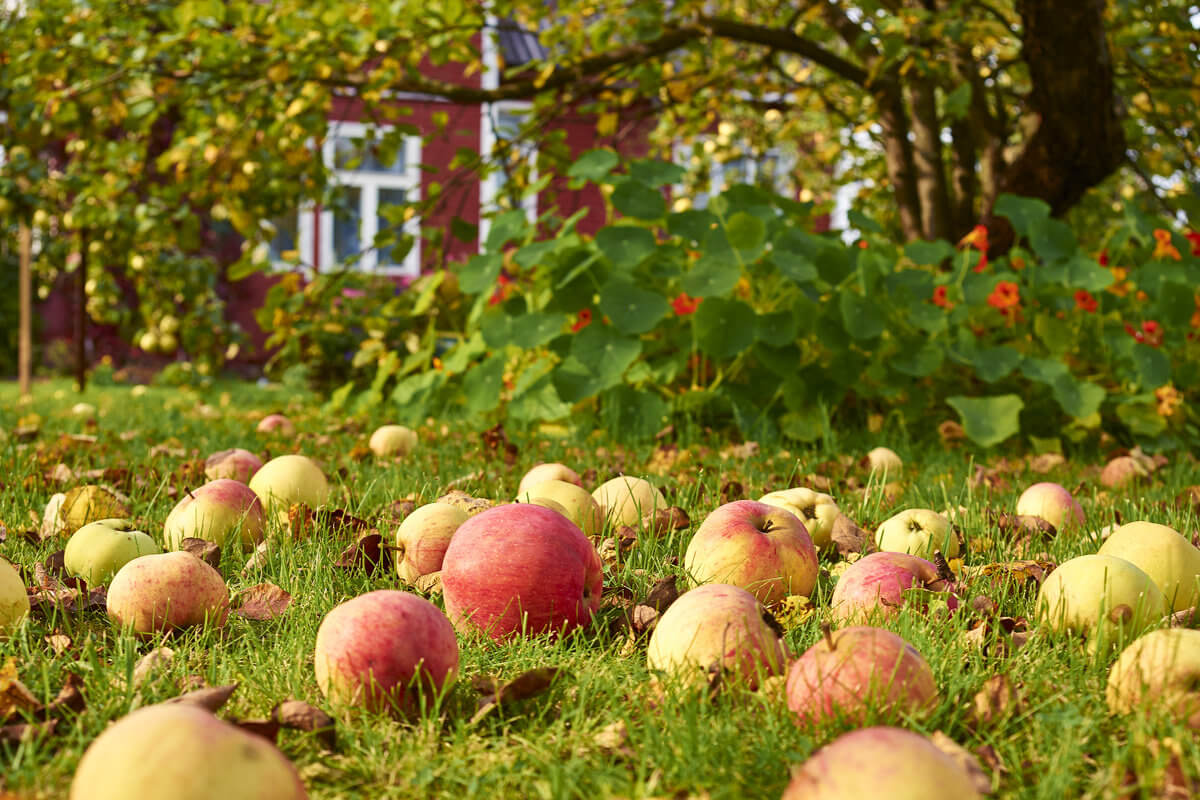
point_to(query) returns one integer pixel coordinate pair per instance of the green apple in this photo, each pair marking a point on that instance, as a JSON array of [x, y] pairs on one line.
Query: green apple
[[1170, 560], [393, 440], [624, 500], [97, 550], [1160, 670], [1099, 594], [577, 503], [918, 532], [14, 603], [817, 511], [289, 479]]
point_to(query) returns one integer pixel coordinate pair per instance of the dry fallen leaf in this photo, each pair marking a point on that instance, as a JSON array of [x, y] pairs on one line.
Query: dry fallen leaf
[[301, 716], [848, 538], [258, 559], [262, 601], [15, 697], [156, 660], [663, 593], [206, 551], [367, 552], [212, 697], [526, 685], [999, 699]]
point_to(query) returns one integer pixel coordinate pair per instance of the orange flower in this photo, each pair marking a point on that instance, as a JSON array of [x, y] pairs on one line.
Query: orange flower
[[1194, 238], [862, 244], [939, 298], [504, 286], [1085, 302], [1169, 400], [1007, 294], [1018, 263], [582, 321], [1153, 333], [685, 305], [977, 239], [1163, 248], [1120, 287]]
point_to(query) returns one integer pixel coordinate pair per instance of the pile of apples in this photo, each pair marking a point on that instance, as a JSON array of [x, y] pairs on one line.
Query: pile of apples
[[530, 568]]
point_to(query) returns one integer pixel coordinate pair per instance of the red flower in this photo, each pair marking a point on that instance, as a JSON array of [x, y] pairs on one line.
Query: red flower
[[503, 290], [1085, 302], [582, 321], [939, 298], [685, 305], [1005, 296], [1194, 238], [1163, 247], [1103, 258], [862, 244], [1152, 332], [978, 239]]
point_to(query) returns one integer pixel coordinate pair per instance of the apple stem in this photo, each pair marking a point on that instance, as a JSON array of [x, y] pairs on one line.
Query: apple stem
[[767, 525], [827, 632], [189, 493]]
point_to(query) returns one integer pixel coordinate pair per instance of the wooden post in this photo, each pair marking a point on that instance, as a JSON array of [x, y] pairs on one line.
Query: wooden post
[[25, 299], [81, 315]]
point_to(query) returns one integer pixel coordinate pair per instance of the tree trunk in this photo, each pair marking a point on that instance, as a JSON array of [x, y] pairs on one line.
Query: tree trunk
[[81, 315], [899, 159], [932, 192], [1079, 140]]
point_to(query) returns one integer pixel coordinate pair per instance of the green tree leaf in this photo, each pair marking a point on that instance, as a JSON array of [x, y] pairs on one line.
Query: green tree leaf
[[1152, 366], [931, 253], [988, 421], [1078, 398], [635, 199], [593, 165], [724, 327], [862, 317], [625, 246], [993, 363], [712, 276], [632, 309]]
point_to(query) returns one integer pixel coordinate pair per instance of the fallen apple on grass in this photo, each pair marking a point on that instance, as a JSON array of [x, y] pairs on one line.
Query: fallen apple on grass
[[1158, 671], [880, 762], [14, 602], [1053, 503], [99, 549], [393, 440], [817, 511], [422, 539], [181, 751], [235, 463], [1171, 561], [884, 460], [385, 650], [216, 511], [289, 479], [856, 671], [520, 569], [276, 424], [716, 629], [919, 532], [576, 503], [875, 585], [547, 472], [759, 547], [624, 500], [166, 592], [1099, 595]]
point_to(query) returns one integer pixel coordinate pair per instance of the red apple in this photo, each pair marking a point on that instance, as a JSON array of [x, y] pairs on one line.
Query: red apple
[[276, 423], [876, 583], [859, 669], [385, 650], [216, 511], [520, 568], [880, 762], [759, 547], [164, 592], [235, 463], [1051, 502]]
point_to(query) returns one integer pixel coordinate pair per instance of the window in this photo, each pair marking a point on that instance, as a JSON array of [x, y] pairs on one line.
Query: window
[[770, 170], [371, 182], [500, 139]]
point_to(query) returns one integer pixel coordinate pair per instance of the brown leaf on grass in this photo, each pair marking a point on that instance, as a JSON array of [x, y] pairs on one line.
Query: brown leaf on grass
[[1021, 524], [848, 538], [61, 473], [210, 697], [740, 452], [1188, 498], [998, 700], [988, 478], [1122, 471], [1026, 574], [300, 716], [360, 453], [156, 660], [1181, 619], [613, 738], [258, 559], [367, 552], [15, 697], [1165, 778], [731, 491], [643, 619], [20, 732], [526, 685], [262, 602], [1008, 634], [206, 551], [399, 509], [663, 593], [951, 432], [471, 505], [988, 755], [266, 728], [965, 759], [495, 441], [662, 521], [430, 584], [58, 642], [69, 698], [1046, 462]]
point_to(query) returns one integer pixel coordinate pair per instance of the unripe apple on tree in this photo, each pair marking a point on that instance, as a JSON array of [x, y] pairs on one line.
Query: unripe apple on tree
[[165, 592], [99, 549], [1053, 503], [716, 627], [1099, 594], [14, 602], [576, 502], [918, 532], [624, 500], [761, 548], [880, 762], [547, 472], [875, 585], [520, 569], [235, 463], [214, 512], [1171, 561], [422, 539], [393, 440], [182, 751], [817, 511], [289, 479], [1158, 671], [858, 670], [385, 651]]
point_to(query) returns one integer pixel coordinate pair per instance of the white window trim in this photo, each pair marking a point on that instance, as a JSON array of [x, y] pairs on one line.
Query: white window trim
[[369, 183]]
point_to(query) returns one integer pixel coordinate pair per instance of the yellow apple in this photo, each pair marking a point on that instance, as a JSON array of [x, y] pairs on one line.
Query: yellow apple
[[1099, 594], [1170, 560], [289, 479], [817, 511], [423, 537], [393, 440], [918, 532], [1160, 670], [14, 603], [624, 500], [577, 503]]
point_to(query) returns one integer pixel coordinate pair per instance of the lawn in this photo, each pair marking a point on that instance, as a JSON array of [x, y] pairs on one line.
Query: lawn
[[604, 727]]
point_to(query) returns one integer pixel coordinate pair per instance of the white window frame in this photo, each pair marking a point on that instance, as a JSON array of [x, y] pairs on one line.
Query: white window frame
[[369, 183]]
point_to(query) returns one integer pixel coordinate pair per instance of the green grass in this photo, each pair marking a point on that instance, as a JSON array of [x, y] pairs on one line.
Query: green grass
[[1060, 742]]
